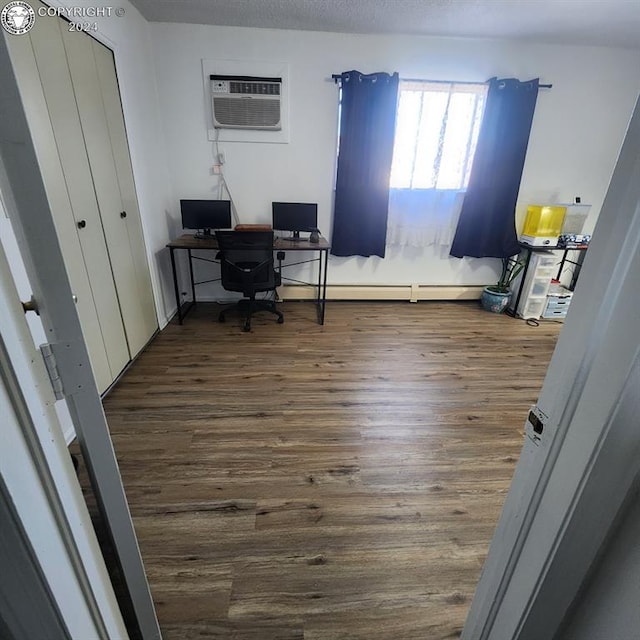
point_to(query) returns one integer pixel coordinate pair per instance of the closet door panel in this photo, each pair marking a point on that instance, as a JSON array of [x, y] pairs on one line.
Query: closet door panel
[[117, 133], [96, 136], [24, 63], [58, 90]]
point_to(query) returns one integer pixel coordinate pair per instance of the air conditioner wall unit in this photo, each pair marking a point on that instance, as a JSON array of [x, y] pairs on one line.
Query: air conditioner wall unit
[[246, 102]]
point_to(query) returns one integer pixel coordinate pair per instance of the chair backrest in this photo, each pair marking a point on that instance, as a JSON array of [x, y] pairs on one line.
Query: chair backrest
[[247, 261]]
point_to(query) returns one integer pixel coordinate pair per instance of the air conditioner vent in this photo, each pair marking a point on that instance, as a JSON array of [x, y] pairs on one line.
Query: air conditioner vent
[[246, 113], [246, 102]]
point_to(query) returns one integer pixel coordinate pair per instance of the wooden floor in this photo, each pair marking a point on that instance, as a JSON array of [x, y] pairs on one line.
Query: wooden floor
[[324, 483]]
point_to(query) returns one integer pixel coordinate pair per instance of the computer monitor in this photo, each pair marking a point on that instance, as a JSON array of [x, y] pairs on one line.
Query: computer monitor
[[295, 216], [204, 215]]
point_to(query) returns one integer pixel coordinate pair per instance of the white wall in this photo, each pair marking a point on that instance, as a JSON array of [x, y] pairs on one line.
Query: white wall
[[577, 131]]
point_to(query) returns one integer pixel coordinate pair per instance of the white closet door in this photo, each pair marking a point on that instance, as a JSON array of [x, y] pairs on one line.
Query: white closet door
[[24, 63], [58, 91], [117, 134], [88, 94]]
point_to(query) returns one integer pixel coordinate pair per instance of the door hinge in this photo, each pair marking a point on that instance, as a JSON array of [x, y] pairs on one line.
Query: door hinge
[[52, 371]]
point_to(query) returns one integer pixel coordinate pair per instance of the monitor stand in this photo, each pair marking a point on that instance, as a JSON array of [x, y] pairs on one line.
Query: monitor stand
[[204, 234], [295, 237]]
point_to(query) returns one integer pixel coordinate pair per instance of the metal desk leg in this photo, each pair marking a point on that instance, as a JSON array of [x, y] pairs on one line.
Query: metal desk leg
[[521, 287], [280, 256], [564, 259], [319, 288], [193, 285], [175, 284], [324, 282]]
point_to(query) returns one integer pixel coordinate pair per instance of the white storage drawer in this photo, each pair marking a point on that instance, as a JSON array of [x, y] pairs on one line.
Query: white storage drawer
[[533, 298], [559, 314], [539, 287], [547, 260], [545, 272], [558, 302], [533, 308]]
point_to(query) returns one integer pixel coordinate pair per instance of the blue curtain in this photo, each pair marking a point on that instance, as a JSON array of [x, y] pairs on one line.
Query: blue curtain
[[486, 227], [367, 129]]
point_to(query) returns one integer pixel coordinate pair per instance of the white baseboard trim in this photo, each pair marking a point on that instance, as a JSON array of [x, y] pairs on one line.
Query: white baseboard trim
[[409, 292]]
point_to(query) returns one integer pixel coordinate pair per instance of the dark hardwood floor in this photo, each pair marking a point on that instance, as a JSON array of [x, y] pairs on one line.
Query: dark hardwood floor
[[334, 482]]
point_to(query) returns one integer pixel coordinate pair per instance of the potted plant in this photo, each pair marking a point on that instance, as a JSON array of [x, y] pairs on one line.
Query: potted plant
[[496, 297]]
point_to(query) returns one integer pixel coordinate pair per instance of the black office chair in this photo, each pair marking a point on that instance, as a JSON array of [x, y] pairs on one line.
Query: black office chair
[[246, 259]]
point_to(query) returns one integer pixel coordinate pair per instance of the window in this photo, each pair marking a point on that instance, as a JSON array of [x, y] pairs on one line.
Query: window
[[437, 129]]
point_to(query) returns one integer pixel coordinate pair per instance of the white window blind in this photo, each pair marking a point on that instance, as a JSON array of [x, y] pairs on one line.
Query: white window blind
[[437, 129]]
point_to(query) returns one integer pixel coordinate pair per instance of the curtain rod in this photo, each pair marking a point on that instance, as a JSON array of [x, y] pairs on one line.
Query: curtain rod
[[336, 77]]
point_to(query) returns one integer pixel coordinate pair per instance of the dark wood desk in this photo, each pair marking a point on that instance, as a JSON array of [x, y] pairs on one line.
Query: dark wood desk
[[189, 243]]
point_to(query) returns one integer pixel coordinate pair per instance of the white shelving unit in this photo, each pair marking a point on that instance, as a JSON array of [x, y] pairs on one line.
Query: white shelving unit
[[533, 297]]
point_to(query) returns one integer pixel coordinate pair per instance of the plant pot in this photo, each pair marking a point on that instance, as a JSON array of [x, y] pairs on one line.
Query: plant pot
[[495, 301]]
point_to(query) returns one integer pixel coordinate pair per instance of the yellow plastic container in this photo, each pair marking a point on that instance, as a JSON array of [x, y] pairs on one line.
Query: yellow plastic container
[[544, 220]]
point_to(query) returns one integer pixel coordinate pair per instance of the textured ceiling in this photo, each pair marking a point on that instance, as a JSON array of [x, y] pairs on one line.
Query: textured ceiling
[[592, 22]]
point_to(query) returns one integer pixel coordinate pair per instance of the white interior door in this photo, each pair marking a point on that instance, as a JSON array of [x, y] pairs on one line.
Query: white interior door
[[24, 62], [88, 92], [69, 85], [58, 92], [148, 322]]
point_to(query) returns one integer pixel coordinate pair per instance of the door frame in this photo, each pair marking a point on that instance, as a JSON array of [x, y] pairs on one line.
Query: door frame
[[42, 486], [27, 205], [27, 607], [572, 480]]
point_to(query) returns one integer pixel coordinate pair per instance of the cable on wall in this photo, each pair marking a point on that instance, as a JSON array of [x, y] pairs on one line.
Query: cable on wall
[[218, 159]]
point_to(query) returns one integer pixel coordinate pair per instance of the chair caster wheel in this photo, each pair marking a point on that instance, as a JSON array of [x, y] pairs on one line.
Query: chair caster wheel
[[280, 320], [246, 328]]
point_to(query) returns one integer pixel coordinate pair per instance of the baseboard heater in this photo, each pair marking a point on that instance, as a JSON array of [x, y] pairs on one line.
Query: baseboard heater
[[408, 292], [346, 292]]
